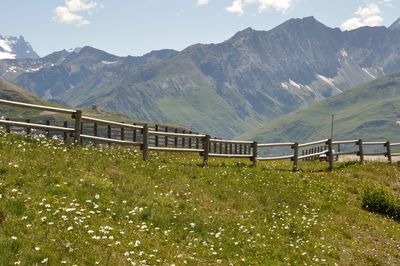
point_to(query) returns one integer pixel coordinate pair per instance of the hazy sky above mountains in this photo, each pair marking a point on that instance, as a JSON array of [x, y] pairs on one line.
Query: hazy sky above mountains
[[134, 27]]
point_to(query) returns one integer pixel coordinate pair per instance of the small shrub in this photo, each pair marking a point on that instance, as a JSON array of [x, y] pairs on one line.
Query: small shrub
[[379, 199]]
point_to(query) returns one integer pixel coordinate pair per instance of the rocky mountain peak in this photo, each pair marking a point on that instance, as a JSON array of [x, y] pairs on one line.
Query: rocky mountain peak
[[395, 25], [295, 24], [16, 48]]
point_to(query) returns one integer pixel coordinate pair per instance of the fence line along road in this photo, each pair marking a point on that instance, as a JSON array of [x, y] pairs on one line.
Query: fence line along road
[[163, 140]]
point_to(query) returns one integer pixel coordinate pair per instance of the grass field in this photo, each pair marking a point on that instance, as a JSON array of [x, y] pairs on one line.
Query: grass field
[[96, 205]]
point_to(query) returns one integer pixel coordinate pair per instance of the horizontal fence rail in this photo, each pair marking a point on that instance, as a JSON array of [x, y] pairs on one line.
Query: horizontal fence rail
[[111, 123], [269, 145], [175, 149], [160, 133], [313, 143], [231, 141], [37, 107], [338, 142], [109, 140], [168, 139], [375, 143], [275, 158], [35, 126], [313, 154]]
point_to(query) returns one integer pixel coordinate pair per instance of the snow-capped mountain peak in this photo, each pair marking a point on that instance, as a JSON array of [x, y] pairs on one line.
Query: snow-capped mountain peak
[[15, 48]]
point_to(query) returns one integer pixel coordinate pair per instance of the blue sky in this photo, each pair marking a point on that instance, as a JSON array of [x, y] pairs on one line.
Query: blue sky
[[134, 27]]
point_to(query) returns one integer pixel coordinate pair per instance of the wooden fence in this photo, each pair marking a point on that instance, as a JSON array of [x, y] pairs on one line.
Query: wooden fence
[[84, 129]]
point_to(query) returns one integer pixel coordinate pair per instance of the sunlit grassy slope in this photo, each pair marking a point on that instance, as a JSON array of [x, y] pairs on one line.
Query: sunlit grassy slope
[[86, 205], [12, 92]]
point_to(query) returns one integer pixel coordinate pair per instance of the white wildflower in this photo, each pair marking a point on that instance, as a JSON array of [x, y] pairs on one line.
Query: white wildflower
[[137, 243]]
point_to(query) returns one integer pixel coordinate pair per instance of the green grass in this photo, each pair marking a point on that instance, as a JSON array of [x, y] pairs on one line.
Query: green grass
[[88, 205], [378, 199]]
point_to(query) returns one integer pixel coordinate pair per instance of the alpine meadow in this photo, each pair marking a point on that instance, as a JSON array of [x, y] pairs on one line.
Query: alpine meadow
[[200, 132]]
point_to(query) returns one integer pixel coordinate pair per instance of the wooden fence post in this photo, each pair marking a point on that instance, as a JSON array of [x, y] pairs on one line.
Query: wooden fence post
[[295, 148], [109, 133], [28, 129], [122, 133], [206, 147], [82, 128], [65, 133], [145, 144], [330, 154], [254, 145], [360, 150], [166, 137], [77, 130], [47, 132], [388, 152]]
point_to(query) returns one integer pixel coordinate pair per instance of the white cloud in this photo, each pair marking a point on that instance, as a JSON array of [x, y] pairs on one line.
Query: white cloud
[[238, 6], [202, 2], [370, 10], [369, 15], [67, 14]]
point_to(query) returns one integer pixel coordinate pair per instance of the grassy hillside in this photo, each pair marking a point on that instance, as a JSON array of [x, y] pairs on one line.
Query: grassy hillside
[[12, 92], [94, 205], [369, 112]]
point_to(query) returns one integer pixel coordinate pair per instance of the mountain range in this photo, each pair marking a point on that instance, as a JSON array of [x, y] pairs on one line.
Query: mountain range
[[369, 111], [224, 89]]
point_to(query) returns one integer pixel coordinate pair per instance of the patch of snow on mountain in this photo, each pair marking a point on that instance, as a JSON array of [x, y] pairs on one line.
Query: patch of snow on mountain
[[15, 48], [5, 45], [326, 80], [369, 73], [108, 62], [284, 85], [12, 69], [32, 70], [294, 84], [344, 53], [6, 56]]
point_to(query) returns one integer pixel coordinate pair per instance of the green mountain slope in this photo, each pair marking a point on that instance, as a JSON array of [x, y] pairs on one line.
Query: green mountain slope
[[369, 112], [10, 91]]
